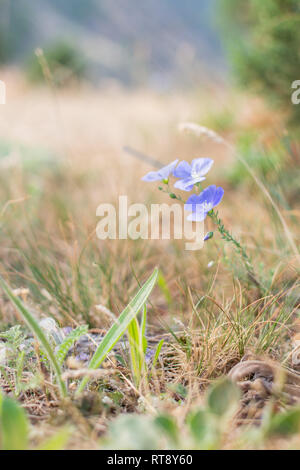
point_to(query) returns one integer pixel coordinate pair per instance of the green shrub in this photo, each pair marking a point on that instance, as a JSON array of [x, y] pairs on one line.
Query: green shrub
[[263, 43], [62, 59]]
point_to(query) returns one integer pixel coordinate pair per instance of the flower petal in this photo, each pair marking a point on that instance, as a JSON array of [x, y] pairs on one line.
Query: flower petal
[[188, 183], [181, 184], [218, 196], [191, 181], [192, 203], [165, 171], [201, 166], [211, 195], [208, 236], [151, 176], [183, 170], [197, 216], [161, 174], [207, 195]]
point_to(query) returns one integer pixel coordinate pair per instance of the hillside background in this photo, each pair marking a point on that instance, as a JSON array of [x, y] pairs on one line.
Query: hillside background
[[154, 42]]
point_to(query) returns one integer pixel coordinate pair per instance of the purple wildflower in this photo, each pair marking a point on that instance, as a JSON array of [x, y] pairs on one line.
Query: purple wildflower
[[208, 236], [162, 174], [149, 355], [201, 204], [82, 357], [67, 330], [193, 173]]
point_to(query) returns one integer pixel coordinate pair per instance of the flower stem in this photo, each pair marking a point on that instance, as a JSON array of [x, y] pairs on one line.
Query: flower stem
[[226, 235]]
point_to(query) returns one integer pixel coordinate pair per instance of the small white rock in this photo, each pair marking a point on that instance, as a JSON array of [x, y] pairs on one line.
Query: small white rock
[[3, 355], [106, 400]]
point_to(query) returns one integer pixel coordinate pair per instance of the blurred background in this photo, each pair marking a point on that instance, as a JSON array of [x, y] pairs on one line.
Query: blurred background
[[87, 78], [160, 45], [153, 43]]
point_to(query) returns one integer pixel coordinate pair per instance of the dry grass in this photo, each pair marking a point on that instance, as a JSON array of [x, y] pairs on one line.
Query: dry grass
[[64, 157]]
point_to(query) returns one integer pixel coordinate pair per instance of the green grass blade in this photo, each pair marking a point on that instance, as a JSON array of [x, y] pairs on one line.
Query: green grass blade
[[156, 355], [138, 346], [134, 347], [143, 340], [38, 332], [162, 283], [120, 326]]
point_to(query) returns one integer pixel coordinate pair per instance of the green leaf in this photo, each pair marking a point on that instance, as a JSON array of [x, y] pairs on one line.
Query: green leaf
[[199, 425], [69, 341], [168, 425], [134, 347], [179, 389], [143, 338], [56, 442], [120, 326], [38, 332], [285, 423], [14, 426], [204, 428], [223, 397], [157, 352], [162, 283], [132, 432]]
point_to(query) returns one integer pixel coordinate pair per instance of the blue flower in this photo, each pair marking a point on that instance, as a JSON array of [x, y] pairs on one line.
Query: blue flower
[[82, 357], [193, 173], [201, 204], [149, 355], [208, 236], [162, 174]]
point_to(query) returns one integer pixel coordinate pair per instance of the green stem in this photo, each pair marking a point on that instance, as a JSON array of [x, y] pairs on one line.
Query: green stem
[[226, 235]]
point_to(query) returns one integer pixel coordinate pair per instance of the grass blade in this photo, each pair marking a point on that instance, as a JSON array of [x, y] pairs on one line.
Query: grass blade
[[120, 326], [143, 340], [162, 283], [157, 353], [138, 346], [134, 346]]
